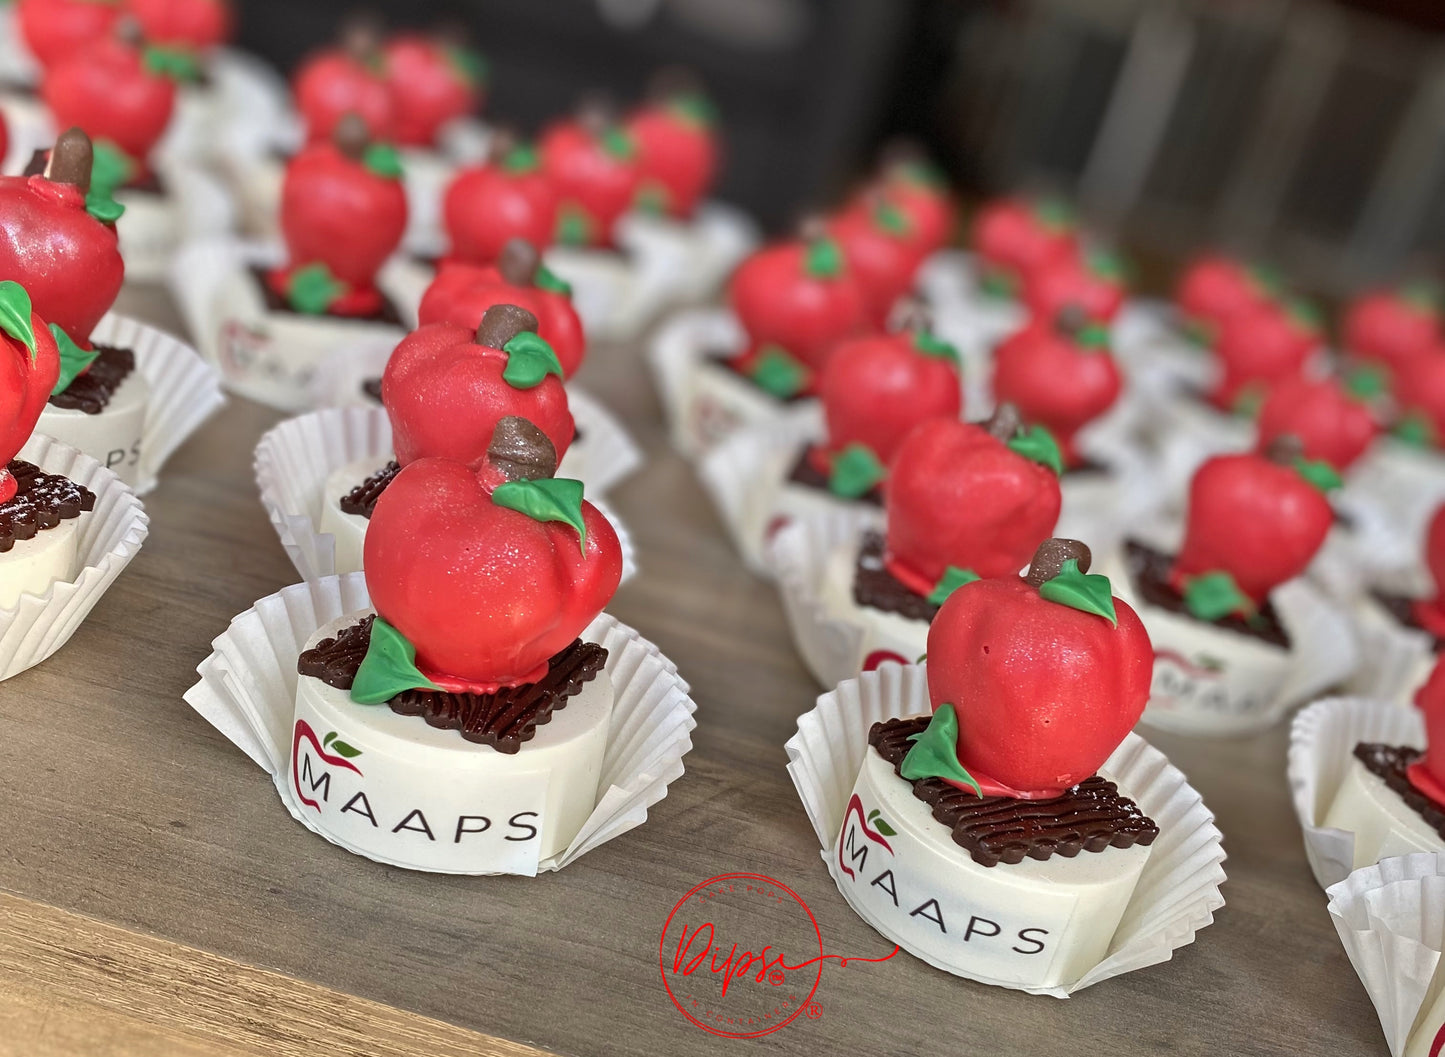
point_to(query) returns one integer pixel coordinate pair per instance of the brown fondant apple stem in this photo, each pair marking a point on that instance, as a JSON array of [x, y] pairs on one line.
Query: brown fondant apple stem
[[128, 30], [1285, 449], [1071, 319], [673, 81], [912, 315], [520, 451], [597, 113], [71, 160], [1049, 559], [813, 227], [502, 323], [503, 141], [518, 262], [1005, 422], [361, 39], [351, 135]]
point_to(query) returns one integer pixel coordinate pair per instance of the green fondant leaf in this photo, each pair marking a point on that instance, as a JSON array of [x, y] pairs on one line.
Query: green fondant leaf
[[73, 359], [1305, 313], [617, 143], [110, 167], [1038, 444], [855, 471], [930, 345], [546, 499], [574, 225], [1092, 336], [1089, 592], [1367, 382], [890, 218], [384, 160], [693, 108], [1248, 401], [1266, 279], [885, 829], [388, 668], [341, 748], [1214, 596], [952, 579], [1053, 214], [313, 289], [546, 279], [1415, 430], [935, 751], [471, 66], [99, 204], [995, 283], [176, 63], [1423, 297], [652, 199], [1106, 265], [1319, 473], [823, 259], [529, 360], [15, 313], [776, 372], [521, 159]]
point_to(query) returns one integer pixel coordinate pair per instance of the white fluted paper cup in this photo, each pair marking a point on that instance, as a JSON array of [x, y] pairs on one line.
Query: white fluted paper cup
[[746, 475], [184, 390], [1395, 659], [715, 241], [1390, 918], [619, 292], [247, 691], [1322, 742], [1178, 891], [295, 458], [835, 645], [110, 535]]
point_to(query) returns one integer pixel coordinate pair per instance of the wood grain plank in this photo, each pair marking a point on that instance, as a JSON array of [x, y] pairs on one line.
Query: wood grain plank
[[71, 985]]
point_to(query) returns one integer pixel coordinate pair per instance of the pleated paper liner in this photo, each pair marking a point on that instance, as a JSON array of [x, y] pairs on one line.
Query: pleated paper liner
[[1391, 920], [1322, 742], [618, 293], [1178, 891], [295, 457], [1395, 659], [184, 390], [716, 239], [109, 537], [831, 646], [746, 473], [247, 691]]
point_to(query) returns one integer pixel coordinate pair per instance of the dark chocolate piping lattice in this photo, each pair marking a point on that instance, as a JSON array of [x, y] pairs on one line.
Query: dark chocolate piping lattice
[[91, 392], [362, 499], [1390, 764], [875, 586], [41, 501], [1092, 816]]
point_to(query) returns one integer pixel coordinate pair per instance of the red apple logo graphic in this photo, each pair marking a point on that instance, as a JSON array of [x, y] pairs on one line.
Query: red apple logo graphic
[[197, 25], [1040, 676], [462, 293], [340, 756], [875, 390], [112, 88], [1255, 521], [56, 29], [489, 572], [1014, 237], [1091, 282], [432, 82], [1332, 425], [1259, 348], [350, 79], [487, 206], [447, 387], [866, 826], [796, 300], [882, 250], [66, 259], [1392, 327], [1058, 372], [29, 369], [343, 212], [969, 496], [592, 161], [677, 150]]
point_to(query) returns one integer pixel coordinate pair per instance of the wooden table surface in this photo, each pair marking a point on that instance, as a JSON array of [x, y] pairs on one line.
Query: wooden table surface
[[155, 897]]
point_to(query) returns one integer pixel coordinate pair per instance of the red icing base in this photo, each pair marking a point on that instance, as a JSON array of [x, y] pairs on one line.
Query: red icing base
[[1430, 613], [919, 585], [452, 685], [1421, 778], [990, 787]]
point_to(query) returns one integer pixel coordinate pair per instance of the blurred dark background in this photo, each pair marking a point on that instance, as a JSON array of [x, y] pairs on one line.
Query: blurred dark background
[[1306, 131]]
